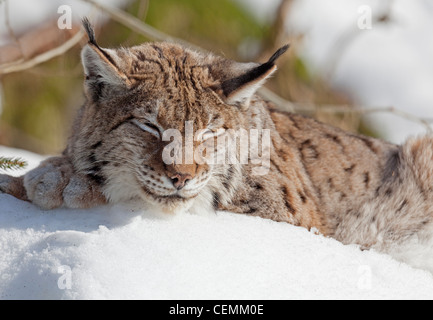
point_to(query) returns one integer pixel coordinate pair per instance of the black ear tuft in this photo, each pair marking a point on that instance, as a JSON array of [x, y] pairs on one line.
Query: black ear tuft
[[243, 86], [278, 53], [89, 30]]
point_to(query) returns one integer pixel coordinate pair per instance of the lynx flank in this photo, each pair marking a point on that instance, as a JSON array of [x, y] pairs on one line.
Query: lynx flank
[[356, 189]]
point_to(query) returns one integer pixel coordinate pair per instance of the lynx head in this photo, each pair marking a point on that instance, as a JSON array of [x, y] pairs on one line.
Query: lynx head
[[135, 96]]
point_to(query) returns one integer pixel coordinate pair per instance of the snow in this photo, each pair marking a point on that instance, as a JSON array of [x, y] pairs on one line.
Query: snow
[[124, 252]]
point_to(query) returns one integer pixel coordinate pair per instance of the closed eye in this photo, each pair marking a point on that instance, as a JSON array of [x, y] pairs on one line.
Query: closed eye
[[148, 127]]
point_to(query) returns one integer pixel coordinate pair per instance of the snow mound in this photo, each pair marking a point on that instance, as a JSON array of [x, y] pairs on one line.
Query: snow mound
[[123, 252], [119, 252]]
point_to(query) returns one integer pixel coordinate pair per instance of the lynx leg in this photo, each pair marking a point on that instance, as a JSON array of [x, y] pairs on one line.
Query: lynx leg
[[81, 192], [13, 186], [54, 184], [45, 184]]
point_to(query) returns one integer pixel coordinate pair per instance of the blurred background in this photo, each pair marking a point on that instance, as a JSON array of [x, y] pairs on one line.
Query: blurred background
[[365, 66]]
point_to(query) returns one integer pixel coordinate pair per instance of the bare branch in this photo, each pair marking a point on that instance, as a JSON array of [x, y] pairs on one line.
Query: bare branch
[[281, 103], [138, 26], [362, 110], [22, 64]]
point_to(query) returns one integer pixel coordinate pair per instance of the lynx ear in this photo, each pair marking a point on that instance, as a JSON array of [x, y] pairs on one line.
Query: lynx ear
[[101, 66], [247, 78]]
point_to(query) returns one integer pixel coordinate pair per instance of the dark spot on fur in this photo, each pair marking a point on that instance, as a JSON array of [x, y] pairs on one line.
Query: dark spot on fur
[[355, 213], [228, 177], [95, 170], [388, 192], [334, 138], [96, 145], [368, 143], [308, 150], [350, 169], [392, 166], [216, 200], [295, 123], [377, 191], [288, 200], [159, 51], [302, 196], [141, 56], [255, 185], [276, 166], [366, 179], [305, 143], [403, 204], [426, 221], [251, 211], [97, 178], [319, 192]]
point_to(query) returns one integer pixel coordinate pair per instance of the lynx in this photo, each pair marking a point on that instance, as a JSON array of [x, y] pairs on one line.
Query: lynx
[[356, 189]]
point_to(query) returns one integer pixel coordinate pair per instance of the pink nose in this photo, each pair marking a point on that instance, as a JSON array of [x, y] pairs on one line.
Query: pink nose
[[179, 180]]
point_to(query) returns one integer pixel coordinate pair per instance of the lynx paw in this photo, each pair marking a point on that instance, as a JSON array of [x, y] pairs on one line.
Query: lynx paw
[[81, 192], [45, 185], [54, 184], [13, 186]]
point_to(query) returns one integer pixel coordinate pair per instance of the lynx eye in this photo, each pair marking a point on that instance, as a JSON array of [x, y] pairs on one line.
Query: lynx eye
[[148, 127]]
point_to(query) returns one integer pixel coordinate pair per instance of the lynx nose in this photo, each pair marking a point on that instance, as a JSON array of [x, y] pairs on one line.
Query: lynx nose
[[179, 180]]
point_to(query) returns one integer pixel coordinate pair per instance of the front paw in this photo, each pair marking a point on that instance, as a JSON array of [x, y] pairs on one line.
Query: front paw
[[45, 185], [13, 186], [81, 193]]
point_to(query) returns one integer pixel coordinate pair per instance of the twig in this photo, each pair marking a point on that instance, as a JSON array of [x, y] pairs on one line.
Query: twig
[[138, 26], [281, 103], [26, 64], [12, 163], [362, 110]]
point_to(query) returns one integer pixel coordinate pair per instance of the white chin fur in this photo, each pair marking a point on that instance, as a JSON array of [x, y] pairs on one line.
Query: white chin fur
[[416, 251]]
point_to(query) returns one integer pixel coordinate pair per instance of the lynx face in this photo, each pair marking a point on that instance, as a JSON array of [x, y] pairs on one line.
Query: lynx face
[[136, 96]]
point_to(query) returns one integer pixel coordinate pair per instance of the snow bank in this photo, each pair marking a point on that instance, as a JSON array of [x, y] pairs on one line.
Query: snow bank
[[121, 252]]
